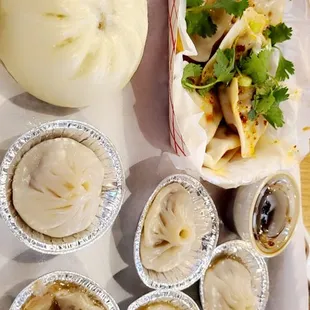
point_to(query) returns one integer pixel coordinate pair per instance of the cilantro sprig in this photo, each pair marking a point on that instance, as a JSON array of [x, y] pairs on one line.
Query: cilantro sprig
[[252, 69], [224, 71], [256, 66], [198, 18], [267, 103], [269, 92], [285, 68], [279, 33]]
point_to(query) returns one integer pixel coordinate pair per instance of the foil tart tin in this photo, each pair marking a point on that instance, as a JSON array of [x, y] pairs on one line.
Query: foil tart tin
[[175, 298], [111, 196], [205, 214], [92, 288], [255, 264], [245, 203]]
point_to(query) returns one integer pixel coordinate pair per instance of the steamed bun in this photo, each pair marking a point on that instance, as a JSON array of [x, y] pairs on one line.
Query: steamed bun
[[57, 186]]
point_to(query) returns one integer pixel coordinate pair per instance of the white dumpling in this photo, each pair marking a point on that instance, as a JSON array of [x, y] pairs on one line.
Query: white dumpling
[[204, 46], [169, 230], [236, 104], [212, 116], [221, 149], [75, 300], [228, 286], [57, 186], [160, 306]]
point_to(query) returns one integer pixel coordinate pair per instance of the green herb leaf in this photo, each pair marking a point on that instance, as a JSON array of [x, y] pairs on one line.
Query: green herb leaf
[[232, 7], [193, 3], [262, 103], [274, 116], [190, 71], [252, 115], [279, 33], [281, 94], [267, 101], [200, 23], [285, 68], [224, 66], [256, 66]]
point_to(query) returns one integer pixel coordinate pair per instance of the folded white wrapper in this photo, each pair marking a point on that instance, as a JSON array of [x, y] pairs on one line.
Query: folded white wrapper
[[277, 149]]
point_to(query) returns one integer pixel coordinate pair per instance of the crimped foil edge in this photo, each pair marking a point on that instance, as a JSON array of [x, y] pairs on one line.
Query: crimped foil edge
[[176, 298]]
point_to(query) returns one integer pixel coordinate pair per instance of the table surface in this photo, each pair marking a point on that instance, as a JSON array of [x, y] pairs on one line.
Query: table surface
[[305, 178]]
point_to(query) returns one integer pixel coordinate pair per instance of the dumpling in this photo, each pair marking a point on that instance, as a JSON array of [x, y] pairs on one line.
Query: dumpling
[[159, 306], [228, 286], [212, 116], [57, 187], [236, 104], [62, 296], [221, 149], [169, 229], [204, 46], [44, 302], [75, 300]]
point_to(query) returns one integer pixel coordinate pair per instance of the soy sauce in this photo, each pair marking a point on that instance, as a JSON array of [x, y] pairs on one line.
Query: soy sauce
[[271, 217]]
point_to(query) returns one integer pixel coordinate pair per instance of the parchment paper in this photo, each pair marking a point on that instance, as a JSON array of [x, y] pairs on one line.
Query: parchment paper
[[137, 122]]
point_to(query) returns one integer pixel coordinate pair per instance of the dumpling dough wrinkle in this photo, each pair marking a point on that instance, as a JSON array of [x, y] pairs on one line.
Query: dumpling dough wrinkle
[[57, 186], [236, 104], [212, 116], [221, 148], [228, 286], [169, 229]]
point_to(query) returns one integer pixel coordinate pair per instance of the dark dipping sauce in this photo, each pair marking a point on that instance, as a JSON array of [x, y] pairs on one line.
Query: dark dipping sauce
[[274, 210]]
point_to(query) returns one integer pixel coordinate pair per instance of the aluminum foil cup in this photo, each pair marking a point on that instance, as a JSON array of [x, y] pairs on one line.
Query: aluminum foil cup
[[111, 195], [175, 298], [92, 288], [281, 221], [255, 264], [206, 220]]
